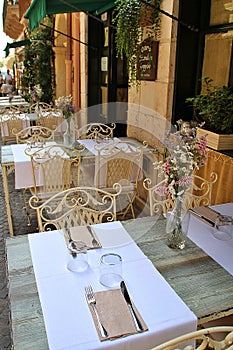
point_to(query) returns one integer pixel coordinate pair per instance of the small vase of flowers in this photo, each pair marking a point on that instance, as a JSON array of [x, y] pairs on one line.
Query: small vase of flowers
[[183, 152], [64, 104]]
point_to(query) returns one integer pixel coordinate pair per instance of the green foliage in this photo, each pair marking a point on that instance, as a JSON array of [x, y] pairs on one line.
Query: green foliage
[[134, 22], [215, 107], [39, 63]]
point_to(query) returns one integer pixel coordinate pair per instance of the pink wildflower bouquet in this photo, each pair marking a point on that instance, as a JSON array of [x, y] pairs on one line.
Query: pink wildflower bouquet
[[182, 153]]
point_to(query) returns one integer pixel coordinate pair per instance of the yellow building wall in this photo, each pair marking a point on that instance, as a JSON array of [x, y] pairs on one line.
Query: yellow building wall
[[60, 44], [150, 105]]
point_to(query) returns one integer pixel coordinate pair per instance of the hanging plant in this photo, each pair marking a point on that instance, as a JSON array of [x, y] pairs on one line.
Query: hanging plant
[[135, 20], [39, 63]]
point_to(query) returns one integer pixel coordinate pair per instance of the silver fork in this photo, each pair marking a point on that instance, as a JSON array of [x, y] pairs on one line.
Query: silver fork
[[92, 301]]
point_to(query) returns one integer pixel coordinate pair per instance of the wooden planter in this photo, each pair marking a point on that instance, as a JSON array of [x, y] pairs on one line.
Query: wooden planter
[[218, 142]]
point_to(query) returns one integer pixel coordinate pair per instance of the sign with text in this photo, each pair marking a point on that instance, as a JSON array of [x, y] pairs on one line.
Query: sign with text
[[148, 62]]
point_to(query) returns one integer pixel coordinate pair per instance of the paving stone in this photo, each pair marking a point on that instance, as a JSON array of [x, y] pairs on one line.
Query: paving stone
[[20, 227]]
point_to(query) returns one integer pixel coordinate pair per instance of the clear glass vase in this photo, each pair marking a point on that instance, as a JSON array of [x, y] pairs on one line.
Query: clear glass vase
[[68, 137], [177, 225]]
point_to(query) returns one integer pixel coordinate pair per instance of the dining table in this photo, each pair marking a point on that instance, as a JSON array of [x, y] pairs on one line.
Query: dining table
[[14, 154], [175, 291]]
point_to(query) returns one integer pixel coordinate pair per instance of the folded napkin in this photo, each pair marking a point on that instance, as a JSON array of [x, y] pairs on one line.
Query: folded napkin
[[85, 234], [205, 214], [115, 315]]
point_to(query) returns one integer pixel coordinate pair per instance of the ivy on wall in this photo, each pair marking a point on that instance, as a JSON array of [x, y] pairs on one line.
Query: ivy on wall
[[39, 62], [135, 20]]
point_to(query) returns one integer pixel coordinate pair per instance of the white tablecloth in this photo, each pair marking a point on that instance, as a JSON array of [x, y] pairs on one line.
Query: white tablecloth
[[68, 321], [23, 168], [201, 234]]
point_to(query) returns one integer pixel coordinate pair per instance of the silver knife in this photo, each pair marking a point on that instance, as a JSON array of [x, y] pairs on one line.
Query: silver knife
[[202, 217], [94, 241], [136, 320]]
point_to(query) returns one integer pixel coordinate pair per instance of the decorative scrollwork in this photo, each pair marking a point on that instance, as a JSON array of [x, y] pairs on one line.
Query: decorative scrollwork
[[95, 130], [76, 206]]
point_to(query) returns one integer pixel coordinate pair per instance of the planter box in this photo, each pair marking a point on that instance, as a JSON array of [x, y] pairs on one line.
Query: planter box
[[218, 142]]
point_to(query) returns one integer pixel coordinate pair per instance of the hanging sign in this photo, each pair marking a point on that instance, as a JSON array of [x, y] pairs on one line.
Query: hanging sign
[[148, 61]]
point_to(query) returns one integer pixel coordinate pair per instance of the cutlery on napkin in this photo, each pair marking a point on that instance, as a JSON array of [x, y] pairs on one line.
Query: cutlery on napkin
[[115, 315], [82, 233], [205, 214]]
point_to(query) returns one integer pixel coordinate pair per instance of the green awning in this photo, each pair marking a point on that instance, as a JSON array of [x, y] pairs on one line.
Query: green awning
[[40, 8], [16, 44]]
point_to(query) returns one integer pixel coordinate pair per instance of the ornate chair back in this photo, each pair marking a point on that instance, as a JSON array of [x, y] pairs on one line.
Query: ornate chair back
[[38, 107], [11, 124], [55, 168], [95, 131], [76, 206], [51, 119], [202, 339], [34, 135], [120, 162], [199, 194]]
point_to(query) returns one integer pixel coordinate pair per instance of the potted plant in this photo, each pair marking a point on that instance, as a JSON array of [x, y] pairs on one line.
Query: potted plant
[[214, 107]]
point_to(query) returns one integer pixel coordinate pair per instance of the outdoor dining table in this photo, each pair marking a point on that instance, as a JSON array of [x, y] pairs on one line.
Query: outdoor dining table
[[15, 103], [201, 283], [8, 166]]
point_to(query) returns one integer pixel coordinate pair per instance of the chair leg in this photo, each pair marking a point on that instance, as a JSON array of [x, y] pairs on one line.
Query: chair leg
[[25, 207], [130, 206]]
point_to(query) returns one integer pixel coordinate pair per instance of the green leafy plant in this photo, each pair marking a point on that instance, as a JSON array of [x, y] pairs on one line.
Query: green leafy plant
[[39, 63], [214, 107], [135, 20]]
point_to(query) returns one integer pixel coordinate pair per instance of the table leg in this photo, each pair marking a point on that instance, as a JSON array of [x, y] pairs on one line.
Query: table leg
[[5, 173]]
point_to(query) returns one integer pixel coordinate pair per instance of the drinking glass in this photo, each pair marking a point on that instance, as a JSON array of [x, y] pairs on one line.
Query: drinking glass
[[223, 228], [78, 261], [111, 270]]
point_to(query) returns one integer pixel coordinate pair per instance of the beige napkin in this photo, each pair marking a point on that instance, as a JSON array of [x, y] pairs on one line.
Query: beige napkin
[[81, 233], [205, 214], [115, 315]]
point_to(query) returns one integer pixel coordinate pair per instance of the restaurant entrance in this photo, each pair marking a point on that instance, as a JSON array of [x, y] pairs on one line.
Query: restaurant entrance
[[107, 75]]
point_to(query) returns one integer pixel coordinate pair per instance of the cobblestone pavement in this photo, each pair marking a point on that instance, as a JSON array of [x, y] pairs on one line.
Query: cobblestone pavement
[[20, 227]]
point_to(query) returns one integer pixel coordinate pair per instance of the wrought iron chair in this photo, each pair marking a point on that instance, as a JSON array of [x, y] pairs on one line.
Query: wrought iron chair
[[34, 135], [201, 339], [95, 131], [76, 206], [11, 124], [55, 168], [120, 162], [39, 107], [50, 119], [199, 194]]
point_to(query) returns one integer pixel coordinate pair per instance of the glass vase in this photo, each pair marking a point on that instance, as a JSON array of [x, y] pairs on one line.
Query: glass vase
[[177, 225], [68, 138]]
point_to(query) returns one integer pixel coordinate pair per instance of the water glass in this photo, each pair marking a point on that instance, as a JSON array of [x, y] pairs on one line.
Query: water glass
[[111, 270], [223, 228], [78, 261]]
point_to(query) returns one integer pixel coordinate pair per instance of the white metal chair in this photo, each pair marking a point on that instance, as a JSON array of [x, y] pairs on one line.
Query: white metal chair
[[55, 168], [34, 135], [76, 206], [51, 118], [11, 124], [120, 162], [203, 339], [199, 194], [95, 131], [39, 107]]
